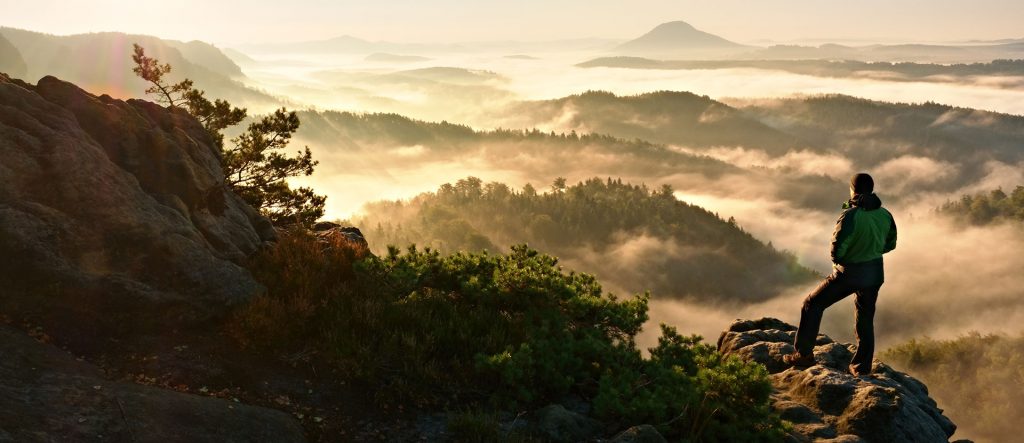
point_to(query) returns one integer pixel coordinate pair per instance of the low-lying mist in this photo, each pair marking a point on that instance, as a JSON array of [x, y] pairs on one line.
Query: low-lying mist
[[944, 279], [348, 82]]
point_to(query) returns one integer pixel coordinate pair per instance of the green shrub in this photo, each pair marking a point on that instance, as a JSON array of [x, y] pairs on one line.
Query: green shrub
[[514, 323], [504, 332], [687, 389]]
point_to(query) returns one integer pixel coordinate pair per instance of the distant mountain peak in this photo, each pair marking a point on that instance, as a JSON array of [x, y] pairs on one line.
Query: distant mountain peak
[[674, 25], [676, 36]]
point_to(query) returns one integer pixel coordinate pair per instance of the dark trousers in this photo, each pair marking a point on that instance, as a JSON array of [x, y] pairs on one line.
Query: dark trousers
[[864, 282]]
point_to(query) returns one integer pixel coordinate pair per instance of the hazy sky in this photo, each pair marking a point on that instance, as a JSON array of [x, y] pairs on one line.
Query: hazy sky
[[228, 22]]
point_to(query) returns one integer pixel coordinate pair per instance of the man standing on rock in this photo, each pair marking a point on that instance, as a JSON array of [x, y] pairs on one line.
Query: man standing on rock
[[864, 232]]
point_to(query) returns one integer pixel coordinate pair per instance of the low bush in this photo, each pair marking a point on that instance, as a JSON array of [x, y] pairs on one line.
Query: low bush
[[503, 332]]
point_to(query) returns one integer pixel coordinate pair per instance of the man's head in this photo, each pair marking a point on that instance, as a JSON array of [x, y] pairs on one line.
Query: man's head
[[861, 184]]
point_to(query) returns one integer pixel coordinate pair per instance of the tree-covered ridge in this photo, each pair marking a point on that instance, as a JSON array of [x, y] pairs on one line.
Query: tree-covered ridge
[[925, 147], [629, 235], [980, 378], [987, 207], [97, 61], [670, 117], [901, 71], [362, 130], [391, 142], [871, 132]]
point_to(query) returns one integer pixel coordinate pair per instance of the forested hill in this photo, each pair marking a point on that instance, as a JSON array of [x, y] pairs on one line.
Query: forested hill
[[947, 148], [632, 237], [100, 62], [390, 143], [899, 71], [987, 207], [872, 131], [670, 117]]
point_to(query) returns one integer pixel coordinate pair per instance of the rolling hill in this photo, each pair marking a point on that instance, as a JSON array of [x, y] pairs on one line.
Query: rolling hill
[[631, 237], [102, 62]]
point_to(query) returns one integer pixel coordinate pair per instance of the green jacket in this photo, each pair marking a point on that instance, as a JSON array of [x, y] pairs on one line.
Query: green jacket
[[864, 232]]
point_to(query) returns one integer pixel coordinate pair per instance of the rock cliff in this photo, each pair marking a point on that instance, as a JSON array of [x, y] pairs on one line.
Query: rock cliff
[[825, 402], [117, 237], [113, 216]]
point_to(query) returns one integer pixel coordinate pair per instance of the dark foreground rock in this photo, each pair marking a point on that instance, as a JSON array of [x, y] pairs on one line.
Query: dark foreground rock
[[47, 395], [113, 215], [825, 402]]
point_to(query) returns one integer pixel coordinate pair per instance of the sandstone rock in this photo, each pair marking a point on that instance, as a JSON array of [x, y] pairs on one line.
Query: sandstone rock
[[825, 402], [113, 216], [331, 234], [639, 434], [47, 395]]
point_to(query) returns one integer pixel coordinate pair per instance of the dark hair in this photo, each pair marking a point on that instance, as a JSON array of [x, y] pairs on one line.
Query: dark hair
[[862, 184]]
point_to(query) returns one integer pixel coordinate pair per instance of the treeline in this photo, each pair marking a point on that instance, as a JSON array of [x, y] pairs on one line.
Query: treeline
[[951, 147], [670, 117], [828, 68], [980, 378], [956, 145], [984, 208], [383, 143], [629, 235]]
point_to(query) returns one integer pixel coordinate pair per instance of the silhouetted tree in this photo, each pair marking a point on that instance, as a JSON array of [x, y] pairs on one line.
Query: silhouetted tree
[[253, 167]]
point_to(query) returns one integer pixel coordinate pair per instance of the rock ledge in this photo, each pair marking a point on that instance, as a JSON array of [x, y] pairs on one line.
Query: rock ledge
[[825, 402]]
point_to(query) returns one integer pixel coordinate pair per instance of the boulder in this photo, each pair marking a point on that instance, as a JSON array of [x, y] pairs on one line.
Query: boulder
[[825, 402], [332, 235], [48, 395], [114, 216], [640, 434]]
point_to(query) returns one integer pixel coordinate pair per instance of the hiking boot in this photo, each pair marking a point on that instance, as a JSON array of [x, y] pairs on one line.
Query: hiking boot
[[858, 373], [799, 360]]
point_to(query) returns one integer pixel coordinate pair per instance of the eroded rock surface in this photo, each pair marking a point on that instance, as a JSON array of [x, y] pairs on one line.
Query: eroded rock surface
[[113, 216], [825, 402]]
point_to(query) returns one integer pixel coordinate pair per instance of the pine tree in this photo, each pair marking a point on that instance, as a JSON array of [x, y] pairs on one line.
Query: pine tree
[[253, 167]]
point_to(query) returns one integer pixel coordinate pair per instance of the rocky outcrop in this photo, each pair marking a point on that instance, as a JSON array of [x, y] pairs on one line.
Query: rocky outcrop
[[47, 395], [333, 235], [113, 216], [640, 434], [825, 402]]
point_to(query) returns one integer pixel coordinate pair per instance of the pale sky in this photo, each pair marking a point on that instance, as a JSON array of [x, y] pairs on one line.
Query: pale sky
[[231, 22]]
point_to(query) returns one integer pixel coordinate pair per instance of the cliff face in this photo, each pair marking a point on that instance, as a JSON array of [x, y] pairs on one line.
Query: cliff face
[[112, 214], [825, 402]]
